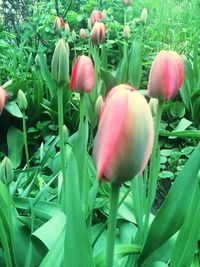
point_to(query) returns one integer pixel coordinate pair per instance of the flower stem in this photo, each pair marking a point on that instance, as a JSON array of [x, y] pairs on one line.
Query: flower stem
[[61, 134], [25, 142], [153, 176], [112, 221], [81, 109]]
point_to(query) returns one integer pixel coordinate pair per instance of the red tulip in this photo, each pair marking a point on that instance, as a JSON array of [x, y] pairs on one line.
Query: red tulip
[[97, 35], [83, 34], [166, 75], [59, 24], [82, 78], [125, 135], [96, 16], [2, 98], [127, 2]]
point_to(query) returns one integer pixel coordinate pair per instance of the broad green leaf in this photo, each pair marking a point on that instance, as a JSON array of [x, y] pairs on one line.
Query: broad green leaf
[[185, 246], [55, 255], [77, 243], [135, 64], [15, 86], [13, 109], [158, 264], [121, 73], [172, 213], [49, 232], [15, 143]]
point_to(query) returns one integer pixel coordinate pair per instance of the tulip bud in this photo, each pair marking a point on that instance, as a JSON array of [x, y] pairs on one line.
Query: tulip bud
[[144, 15], [6, 171], [60, 63], [166, 75], [82, 78], [125, 135], [2, 98], [96, 16], [59, 25], [98, 105], [66, 134], [83, 34], [22, 101], [127, 32], [153, 104], [89, 25], [127, 2], [67, 28], [73, 35], [97, 35]]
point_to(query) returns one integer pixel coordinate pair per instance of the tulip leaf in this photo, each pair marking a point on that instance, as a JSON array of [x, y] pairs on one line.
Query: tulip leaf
[[172, 213], [135, 64], [185, 246], [77, 243], [46, 74], [13, 109], [15, 143]]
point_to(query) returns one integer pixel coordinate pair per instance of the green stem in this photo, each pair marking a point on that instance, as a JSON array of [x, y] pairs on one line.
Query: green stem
[[153, 176], [81, 109], [125, 15], [112, 222], [106, 222], [61, 135], [25, 142]]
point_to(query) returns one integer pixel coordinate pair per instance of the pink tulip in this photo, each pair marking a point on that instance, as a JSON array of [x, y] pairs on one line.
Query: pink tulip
[[166, 75], [125, 135], [2, 98], [59, 24], [82, 78], [96, 16], [97, 35], [83, 34], [127, 2]]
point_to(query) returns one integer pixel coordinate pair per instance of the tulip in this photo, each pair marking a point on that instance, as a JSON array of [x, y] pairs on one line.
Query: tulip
[[153, 104], [83, 34], [60, 63], [97, 35], [22, 101], [6, 171], [67, 29], [96, 16], [82, 78], [59, 25], [99, 105], [144, 15], [166, 75], [125, 135], [2, 98], [127, 2], [127, 32]]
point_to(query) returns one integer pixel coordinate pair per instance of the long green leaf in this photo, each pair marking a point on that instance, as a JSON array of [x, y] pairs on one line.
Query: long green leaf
[[172, 213], [186, 242], [77, 244]]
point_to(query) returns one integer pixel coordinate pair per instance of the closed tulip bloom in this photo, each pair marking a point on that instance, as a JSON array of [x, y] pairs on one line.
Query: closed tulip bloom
[[82, 78], [127, 2], [127, 32], [60, 63], [144, 15], [83, 34], [96, 16], [2, 98], [166, 75], [125, 135], [59, 24], [97, 35]]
